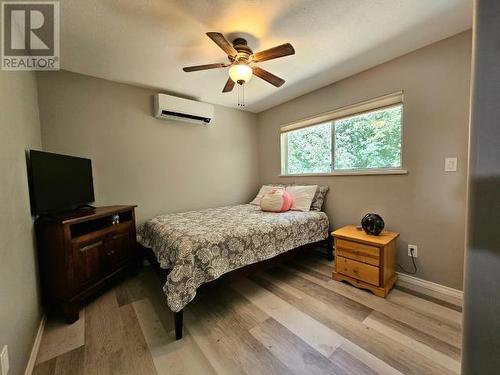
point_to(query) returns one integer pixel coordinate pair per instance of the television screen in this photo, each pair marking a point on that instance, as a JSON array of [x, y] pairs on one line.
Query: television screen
[[59, 182]]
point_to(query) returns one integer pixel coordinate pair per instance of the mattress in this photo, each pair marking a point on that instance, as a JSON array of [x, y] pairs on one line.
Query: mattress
[[200, 246]]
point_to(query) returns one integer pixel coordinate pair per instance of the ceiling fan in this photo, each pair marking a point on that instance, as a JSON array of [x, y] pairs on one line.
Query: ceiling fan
[[242, 62]]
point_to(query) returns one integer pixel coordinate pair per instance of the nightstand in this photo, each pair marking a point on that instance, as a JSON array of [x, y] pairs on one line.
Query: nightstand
[[365, 261]]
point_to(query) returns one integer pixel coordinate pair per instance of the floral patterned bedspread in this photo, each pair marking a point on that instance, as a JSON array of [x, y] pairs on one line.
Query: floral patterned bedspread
[[199, 246]]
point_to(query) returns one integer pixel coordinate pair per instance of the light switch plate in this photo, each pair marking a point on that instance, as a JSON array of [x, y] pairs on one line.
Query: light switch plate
[[4, 360], [450, 164]]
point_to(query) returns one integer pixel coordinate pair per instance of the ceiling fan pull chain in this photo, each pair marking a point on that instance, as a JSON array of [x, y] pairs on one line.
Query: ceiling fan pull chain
[[241, 95]]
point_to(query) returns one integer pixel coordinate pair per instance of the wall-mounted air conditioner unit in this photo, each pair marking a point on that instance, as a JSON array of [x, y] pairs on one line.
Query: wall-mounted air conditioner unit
[[174, 108]]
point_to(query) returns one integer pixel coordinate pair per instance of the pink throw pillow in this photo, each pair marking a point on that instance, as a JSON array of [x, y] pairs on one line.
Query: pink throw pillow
[[276, 200]]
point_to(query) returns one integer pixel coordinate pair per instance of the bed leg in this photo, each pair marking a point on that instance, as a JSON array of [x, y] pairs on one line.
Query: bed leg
[[329, 247], [178, 320]]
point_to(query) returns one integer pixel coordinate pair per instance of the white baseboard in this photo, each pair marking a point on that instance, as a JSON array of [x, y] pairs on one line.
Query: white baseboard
[[429, 288], [36, 347]]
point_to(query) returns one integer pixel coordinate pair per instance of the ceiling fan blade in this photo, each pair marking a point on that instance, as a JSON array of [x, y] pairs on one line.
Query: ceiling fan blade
[[273, 53], [228, 86], [268, 77], [203, 67], [222, 42]]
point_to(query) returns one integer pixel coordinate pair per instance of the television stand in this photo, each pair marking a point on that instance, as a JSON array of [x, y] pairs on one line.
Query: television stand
[[80, 255]]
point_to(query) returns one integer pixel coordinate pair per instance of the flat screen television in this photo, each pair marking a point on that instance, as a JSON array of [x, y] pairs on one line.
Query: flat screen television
[[59, 183]]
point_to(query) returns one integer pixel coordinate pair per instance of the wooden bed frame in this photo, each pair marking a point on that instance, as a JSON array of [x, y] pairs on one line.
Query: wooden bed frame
[[146, 253]]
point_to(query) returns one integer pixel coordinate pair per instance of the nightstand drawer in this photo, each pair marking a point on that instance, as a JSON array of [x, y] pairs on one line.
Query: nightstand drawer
[[357, 270], [357, 251]]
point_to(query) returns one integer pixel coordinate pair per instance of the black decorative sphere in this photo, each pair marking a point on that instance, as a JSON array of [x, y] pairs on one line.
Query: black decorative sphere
[[372, 224]]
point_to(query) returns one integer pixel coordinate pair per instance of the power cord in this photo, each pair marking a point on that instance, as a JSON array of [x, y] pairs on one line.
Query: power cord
[[414, 265]]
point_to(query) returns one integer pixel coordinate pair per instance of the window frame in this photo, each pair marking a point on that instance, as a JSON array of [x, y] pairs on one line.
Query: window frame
[[372, 105]]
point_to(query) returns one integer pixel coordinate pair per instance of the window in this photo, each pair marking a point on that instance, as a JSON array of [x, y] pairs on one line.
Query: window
[[352, 142], [310, 149], [369, 140]]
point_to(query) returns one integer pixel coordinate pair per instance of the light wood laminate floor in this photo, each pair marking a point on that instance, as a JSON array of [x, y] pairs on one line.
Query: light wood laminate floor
[[291, 319]]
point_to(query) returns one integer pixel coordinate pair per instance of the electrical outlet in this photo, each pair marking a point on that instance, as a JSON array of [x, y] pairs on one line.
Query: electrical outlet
[[412, 249], [4, 360]]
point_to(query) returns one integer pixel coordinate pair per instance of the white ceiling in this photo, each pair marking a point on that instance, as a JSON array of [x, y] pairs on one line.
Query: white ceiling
[[147, 42]]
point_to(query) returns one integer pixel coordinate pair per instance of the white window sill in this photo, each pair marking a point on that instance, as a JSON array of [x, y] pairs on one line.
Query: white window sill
[[350, 173]]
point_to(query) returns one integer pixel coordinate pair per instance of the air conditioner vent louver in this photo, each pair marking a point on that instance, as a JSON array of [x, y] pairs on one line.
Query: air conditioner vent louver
[[170, 114]]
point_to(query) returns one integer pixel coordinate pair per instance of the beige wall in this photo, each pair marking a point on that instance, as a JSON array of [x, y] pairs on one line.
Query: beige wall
[[20, 311], [162, 166], [427, 206]]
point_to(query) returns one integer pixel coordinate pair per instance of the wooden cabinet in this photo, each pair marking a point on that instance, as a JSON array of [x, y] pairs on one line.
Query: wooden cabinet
[[79, 255], [364, 260]]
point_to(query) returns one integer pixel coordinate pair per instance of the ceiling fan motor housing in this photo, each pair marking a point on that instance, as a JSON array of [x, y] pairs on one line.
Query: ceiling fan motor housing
[[244, 52]]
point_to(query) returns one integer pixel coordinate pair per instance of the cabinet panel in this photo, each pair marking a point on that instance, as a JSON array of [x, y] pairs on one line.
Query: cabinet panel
[[358, 270], [118, 247], [358, 251], [89, 261]]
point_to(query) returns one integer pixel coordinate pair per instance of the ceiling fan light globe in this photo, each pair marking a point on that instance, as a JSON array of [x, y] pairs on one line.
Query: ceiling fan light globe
[[240, 72]]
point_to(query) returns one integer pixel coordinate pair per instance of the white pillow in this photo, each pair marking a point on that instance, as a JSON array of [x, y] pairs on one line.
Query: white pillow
[[302, 196], [263, 190]]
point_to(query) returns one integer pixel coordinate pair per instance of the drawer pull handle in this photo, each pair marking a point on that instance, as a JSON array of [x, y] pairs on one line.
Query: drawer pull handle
[[91, 246]]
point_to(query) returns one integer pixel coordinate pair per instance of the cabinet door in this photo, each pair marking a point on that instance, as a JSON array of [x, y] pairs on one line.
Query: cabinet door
[[89, 261], [118, 246]]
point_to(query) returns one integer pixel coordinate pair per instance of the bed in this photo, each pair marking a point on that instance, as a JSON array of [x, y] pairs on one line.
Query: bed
[[200, 246]]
